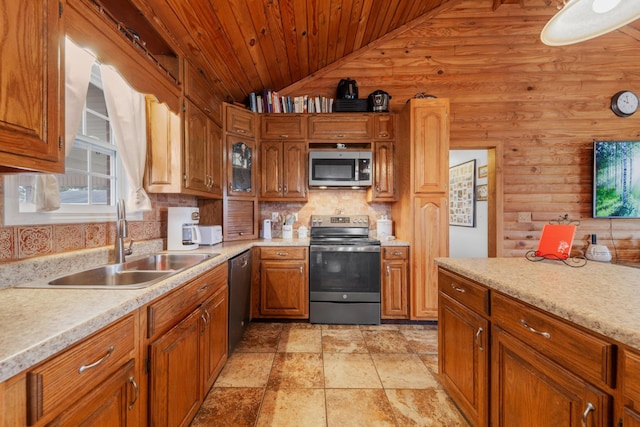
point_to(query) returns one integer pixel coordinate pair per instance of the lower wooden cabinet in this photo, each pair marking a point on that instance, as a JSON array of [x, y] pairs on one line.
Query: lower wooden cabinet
[[110, 404], [464, 365], [530, 390], [185, 359], [631, 388], [283, 289], [395, 283]]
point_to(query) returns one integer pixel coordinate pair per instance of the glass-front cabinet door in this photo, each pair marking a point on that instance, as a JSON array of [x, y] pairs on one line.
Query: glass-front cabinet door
[[241, 161]]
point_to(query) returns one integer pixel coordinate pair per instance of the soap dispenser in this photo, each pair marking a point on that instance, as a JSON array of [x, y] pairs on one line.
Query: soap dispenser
[[597, 252]]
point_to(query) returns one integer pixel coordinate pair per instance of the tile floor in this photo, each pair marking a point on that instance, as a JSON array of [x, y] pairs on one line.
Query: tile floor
[[303, 375]]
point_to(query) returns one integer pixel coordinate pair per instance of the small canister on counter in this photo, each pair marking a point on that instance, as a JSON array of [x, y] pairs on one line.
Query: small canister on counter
[[383, 227]]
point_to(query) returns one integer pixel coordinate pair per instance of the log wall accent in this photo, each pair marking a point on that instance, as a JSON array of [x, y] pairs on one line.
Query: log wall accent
[[542, 105]]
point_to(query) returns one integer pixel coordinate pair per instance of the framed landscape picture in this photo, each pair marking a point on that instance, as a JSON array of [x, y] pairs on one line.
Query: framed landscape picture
[[462, 185]]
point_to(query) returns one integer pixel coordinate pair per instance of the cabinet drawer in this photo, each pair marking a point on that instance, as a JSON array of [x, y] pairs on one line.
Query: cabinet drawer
[[578, 351], [465, 291], [283, 126], [55, 384], [170, 309], [395, 252], [283, 252], [631, 381], [337, 126]]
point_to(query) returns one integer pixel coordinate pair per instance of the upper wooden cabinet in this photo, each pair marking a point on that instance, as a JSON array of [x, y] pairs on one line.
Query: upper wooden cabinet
[[384, 181], [192, 165], [198, 88], [283, 126], [428, 124], [283, 170], [383, 126], [340, 126], [240, 121], [31, 86], [240, 219]]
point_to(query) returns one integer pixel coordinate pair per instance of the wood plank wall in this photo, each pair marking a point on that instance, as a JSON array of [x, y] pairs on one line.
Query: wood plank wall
[[543, 105]]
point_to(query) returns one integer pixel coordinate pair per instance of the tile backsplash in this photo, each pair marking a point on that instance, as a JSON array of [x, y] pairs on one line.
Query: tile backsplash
[[28, 241]]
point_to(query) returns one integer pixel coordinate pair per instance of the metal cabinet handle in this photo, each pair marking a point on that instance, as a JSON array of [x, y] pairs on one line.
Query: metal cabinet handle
[[478, 332], [206, 110], [388, 271], [240, 130], [340, 135], [97, 362], [244, 263], [458, 289], [383, 135], [279, 188], [285, 189], [133, 382], [377, 188], [585, 414], [284, 136], [282, 253], [203, 288], [524, 323], [396, 253]]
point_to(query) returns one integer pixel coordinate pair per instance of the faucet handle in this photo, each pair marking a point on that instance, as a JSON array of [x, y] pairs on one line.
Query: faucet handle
[[129, 250]]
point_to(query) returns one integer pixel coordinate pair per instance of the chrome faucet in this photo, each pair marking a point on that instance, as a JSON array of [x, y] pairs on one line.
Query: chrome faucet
[[121, 232]]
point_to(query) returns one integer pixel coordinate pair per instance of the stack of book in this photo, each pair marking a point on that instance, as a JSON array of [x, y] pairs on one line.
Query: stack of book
[[269, 101]]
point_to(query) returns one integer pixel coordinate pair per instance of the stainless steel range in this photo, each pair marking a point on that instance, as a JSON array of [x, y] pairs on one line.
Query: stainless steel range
[[344, 271]]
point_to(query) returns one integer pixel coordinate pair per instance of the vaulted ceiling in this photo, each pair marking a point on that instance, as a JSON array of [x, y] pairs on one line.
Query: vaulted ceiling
[[250, 45]]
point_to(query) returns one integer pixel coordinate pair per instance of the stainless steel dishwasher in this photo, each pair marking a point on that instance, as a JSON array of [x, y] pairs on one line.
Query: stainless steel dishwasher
[[239, 297]]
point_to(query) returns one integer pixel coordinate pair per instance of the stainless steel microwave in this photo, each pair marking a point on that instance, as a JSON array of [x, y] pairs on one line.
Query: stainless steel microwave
[[340, 168]]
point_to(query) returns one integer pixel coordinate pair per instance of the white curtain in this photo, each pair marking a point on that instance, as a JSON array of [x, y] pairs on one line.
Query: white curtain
[[126, 109], [78, 64]]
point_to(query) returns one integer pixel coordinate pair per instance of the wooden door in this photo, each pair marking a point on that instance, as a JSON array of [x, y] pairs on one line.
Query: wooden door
[[431, 240], [294, 171], [32, 91], [113, 403], [215, 318], [175, 382], [271, 169], [215, 157], [195, 149], [394, 290], [384, 173], [430, 139], [464, 358], [240, 219], [163, 172], [284, 289], [527, 389]]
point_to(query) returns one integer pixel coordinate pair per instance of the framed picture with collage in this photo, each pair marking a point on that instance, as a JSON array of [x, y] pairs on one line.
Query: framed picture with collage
[[462, 187]]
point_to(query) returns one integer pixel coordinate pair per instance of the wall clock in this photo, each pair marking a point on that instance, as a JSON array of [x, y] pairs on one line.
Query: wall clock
[[624, 103]]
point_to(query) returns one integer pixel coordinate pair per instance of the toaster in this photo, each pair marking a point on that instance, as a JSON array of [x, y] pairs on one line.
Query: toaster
[[210, 234]]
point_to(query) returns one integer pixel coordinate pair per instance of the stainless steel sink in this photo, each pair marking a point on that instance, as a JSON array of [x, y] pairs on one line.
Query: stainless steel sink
[[133, 274], [166, 261]]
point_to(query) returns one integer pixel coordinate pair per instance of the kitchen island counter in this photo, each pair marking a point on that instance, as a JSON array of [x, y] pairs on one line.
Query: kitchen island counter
[[601, 297]]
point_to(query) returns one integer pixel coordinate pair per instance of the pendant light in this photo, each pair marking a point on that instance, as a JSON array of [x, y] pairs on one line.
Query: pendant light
[[581, 20]]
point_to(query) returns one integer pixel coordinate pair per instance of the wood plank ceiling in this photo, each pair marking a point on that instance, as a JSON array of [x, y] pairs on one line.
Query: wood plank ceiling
[[250, 45]]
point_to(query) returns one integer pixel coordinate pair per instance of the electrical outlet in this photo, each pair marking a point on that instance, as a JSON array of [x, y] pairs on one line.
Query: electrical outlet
[[524, 216], [275, 216]]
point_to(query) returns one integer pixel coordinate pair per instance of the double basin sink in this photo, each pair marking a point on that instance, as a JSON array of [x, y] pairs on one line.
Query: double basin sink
[[133, 274]]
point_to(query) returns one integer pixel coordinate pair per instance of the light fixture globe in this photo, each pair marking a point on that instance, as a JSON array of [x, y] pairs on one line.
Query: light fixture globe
[[582, 20]]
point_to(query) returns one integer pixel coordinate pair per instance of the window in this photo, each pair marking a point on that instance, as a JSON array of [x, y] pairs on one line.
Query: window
[[92, 181]]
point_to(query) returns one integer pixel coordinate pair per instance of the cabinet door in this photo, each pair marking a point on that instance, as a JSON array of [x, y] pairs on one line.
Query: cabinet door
[[464, 359], [240, 121], [163, 173], [430, 145], [383, 126], [215, 319], [383, 175], [284, 290], [340, 126], [394, 290], [175, 389], [195, 149], [527, 389], [32, 86], [112, 403], [240, 219], [215, 158], [241, 159], [283, 126], [271, 169], [198, 88], [294, 170], [431, 231]]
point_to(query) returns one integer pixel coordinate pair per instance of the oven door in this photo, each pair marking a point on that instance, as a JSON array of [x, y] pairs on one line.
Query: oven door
[[346, 273]]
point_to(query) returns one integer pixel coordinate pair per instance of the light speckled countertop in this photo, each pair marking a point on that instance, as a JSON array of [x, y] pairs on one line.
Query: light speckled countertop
[[38, 323], [602, 297]]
